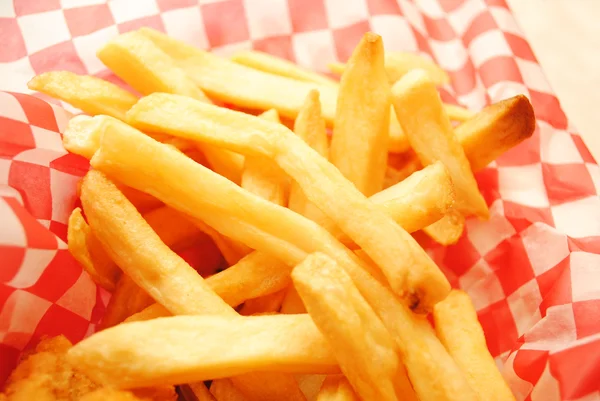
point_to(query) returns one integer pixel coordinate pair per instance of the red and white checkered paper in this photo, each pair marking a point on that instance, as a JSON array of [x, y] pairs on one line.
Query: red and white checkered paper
[[533, 270]]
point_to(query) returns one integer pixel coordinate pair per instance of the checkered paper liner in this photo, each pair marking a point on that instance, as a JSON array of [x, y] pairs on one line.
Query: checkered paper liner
[[532, 270]]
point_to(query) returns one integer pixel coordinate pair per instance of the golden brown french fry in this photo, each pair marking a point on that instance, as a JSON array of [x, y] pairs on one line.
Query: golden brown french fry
[[359, 145], [459, 330], [278, 66], [265, 304], [138, 61], [496, 129], [139, 251], [231, 250], [448, 229], [416, 100], [229, 346], [196, 391], [90, 94], [397, 64], [153, 311], [142, 201], [458, 113], [410, 271], [309, 126], [85, 250], [127, 299], [253, 89], [274, 386], [264, 178], [337, 388], [224, 390], [310, 385], [356, 335]]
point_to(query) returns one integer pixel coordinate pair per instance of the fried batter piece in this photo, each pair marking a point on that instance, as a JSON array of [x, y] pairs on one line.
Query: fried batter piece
[[45, 375]]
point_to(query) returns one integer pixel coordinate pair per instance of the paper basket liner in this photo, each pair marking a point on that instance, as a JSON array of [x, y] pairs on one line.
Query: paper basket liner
[[533, 270]]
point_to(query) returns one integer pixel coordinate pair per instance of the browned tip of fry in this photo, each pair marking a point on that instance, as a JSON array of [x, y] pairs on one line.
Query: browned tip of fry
[[448, 229], [496, 129]]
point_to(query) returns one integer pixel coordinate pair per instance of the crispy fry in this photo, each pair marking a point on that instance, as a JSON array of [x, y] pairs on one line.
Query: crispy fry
[[231, 250], [224, 390], [397, 64], [88, 252], [310, 385], [309, 126], [353, 330], [263, 305], [230, 346], [337, 388], [416, 100], [459, 330], [136, 248], [90, 94], [410, 271], [126, 300], [360, 138], [139, 62], [153, 311], [448, 229], [143, 202], [253, 89], [264, 178], [278, 66], [496, 129], [458, 113]]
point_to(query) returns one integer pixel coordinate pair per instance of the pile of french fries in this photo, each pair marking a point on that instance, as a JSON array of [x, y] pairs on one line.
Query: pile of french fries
[[327, 294]]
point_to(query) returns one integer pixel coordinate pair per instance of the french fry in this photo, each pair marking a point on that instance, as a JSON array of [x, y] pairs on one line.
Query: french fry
[[292, 303], [253, 89], [416, 100], [136, 60], [457, 113], [196, 391], [459, 330], [360, 137], [356, 335], [265, 304], [90, 94], [224, 390], [85, 250], [143, 202], [127, 299], [278, 66], [337, 388], [397, 64], [448, 229], [264, 178], [410, 271], [231, 250], [310, 127], [229, 346], [153, 311], [310, 385], [494, 130], [172, 282]]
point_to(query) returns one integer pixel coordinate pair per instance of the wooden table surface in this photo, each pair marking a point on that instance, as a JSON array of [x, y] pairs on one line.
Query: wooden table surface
[[565, 36]]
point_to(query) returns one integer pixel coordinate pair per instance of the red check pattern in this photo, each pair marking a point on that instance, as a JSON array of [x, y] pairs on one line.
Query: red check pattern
[[532, 270]]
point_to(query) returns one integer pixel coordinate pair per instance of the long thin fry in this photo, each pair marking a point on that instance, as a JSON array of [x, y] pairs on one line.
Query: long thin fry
[[292, 303], [353, 330], [81, 246], [265, 304], [274, 386], [310, 385], [278, 66], [410, 271], [90, 94], [202, 348], [459, 330], [127, 299], [139, 62], [494, 130], [360, 137], [448, 229], [141, 254], [198, 391], [416, 100], [309, 126], [337, 388], [253, 89], [264, 178]]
